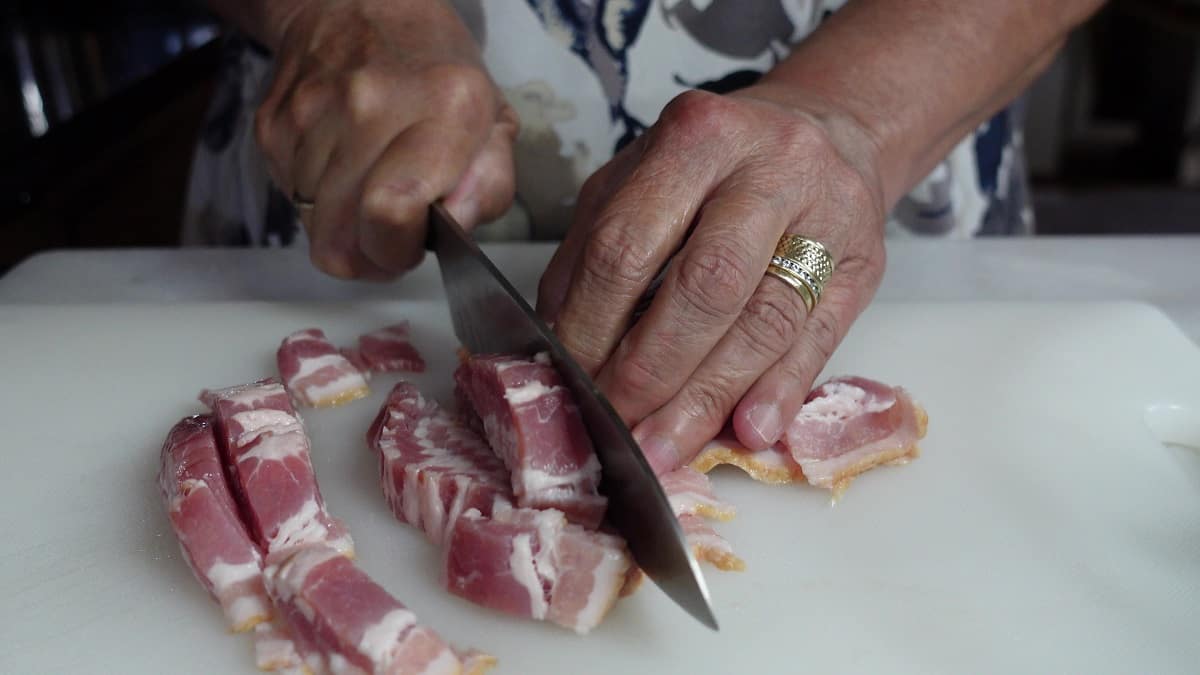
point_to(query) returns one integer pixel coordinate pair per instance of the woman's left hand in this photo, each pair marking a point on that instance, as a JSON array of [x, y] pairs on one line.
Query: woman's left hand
[[712, 187]]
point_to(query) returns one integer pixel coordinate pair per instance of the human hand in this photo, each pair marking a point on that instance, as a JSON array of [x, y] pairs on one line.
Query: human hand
[[377, 110], [715, 183]]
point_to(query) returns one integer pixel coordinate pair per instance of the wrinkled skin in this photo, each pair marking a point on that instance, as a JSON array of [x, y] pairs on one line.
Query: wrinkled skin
[[715, 183], [377, 110]]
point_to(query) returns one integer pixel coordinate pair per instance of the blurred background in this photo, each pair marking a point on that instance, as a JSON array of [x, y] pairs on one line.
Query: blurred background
[[100, 104]]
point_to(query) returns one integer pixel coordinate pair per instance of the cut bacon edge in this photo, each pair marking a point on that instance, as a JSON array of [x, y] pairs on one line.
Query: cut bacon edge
[[847, 427]]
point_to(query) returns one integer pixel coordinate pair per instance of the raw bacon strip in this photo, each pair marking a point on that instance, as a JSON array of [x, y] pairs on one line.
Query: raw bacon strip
[[534, 425], [271, 474], [849, 425], [316, 373], [432, 467], [708, 545], [692, 498], [342, 621], [387, 350], [205, 519], [535, 564], [690, 491]]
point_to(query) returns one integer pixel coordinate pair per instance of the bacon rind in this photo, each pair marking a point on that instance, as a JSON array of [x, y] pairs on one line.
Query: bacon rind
[[709, 546], [335, 381], [205, 519], [773, 465]]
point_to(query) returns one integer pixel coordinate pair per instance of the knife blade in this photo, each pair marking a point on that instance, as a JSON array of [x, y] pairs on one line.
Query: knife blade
[[491, 317]]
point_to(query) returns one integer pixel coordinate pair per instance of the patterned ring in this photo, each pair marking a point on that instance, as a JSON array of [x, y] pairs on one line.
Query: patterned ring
[[803, 264]]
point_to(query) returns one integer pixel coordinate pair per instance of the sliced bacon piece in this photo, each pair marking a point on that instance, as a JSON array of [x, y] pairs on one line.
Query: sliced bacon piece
[[847, 426], [432, 467], [693, 499], [690, 491], [852, 424], [535, 564], [205, 519], [387, 350], [266, 450], [533, 424], [341, 621], [316, 373], [708, 545], [275, 651]]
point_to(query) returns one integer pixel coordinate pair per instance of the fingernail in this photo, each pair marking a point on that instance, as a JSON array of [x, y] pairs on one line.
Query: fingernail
[[464, 210], [766, 421], [661, 452]]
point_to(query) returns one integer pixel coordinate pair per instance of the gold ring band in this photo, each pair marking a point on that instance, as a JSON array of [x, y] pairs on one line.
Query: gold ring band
[[301, 203], [796, 283], [803, 264]]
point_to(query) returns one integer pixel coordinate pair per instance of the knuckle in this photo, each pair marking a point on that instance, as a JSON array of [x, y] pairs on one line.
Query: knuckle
[[392, 202], [364, 94], [709, 403], [695, 115], [713, 279], [461, 92], [773, 320], [821, 333], [614, 259], [305, 103], [642, 377]]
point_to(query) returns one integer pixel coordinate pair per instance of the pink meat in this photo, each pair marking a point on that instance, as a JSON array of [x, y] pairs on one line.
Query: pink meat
[[693, 499], [271, 474], [690, 491], [849, 425], [316, 373], [343, 622], [432, 467], [205, 519], [387, 350], [535, 564], [533, 424]]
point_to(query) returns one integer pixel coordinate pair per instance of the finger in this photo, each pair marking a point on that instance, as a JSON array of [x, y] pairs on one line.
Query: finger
[[486, 189], [702, 295], [311, 154], [422, 164], [293, 104], [765, 330], [632, 236], [784, 386], [552, 288]]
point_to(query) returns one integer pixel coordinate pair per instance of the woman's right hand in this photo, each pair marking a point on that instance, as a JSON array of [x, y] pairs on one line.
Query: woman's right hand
[[379, 108]]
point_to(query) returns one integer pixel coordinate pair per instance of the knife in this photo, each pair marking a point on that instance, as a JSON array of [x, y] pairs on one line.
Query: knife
[[490, 317]]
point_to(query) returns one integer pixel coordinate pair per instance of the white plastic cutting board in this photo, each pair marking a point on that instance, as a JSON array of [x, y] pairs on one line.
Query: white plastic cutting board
[[1044, 529]]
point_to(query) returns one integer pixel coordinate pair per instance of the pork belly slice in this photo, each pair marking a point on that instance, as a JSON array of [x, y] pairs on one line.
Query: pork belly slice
[[709, 546], [340, 621], [536, 564], [847, 426], [852, 424], [266, 450], [432, 467], [533, 424], [690, 491], [387, 350], [693, 499], [205, 520], [315, 373]]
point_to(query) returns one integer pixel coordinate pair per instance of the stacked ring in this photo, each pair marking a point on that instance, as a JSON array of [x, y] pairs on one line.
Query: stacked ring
[[804, 265]]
